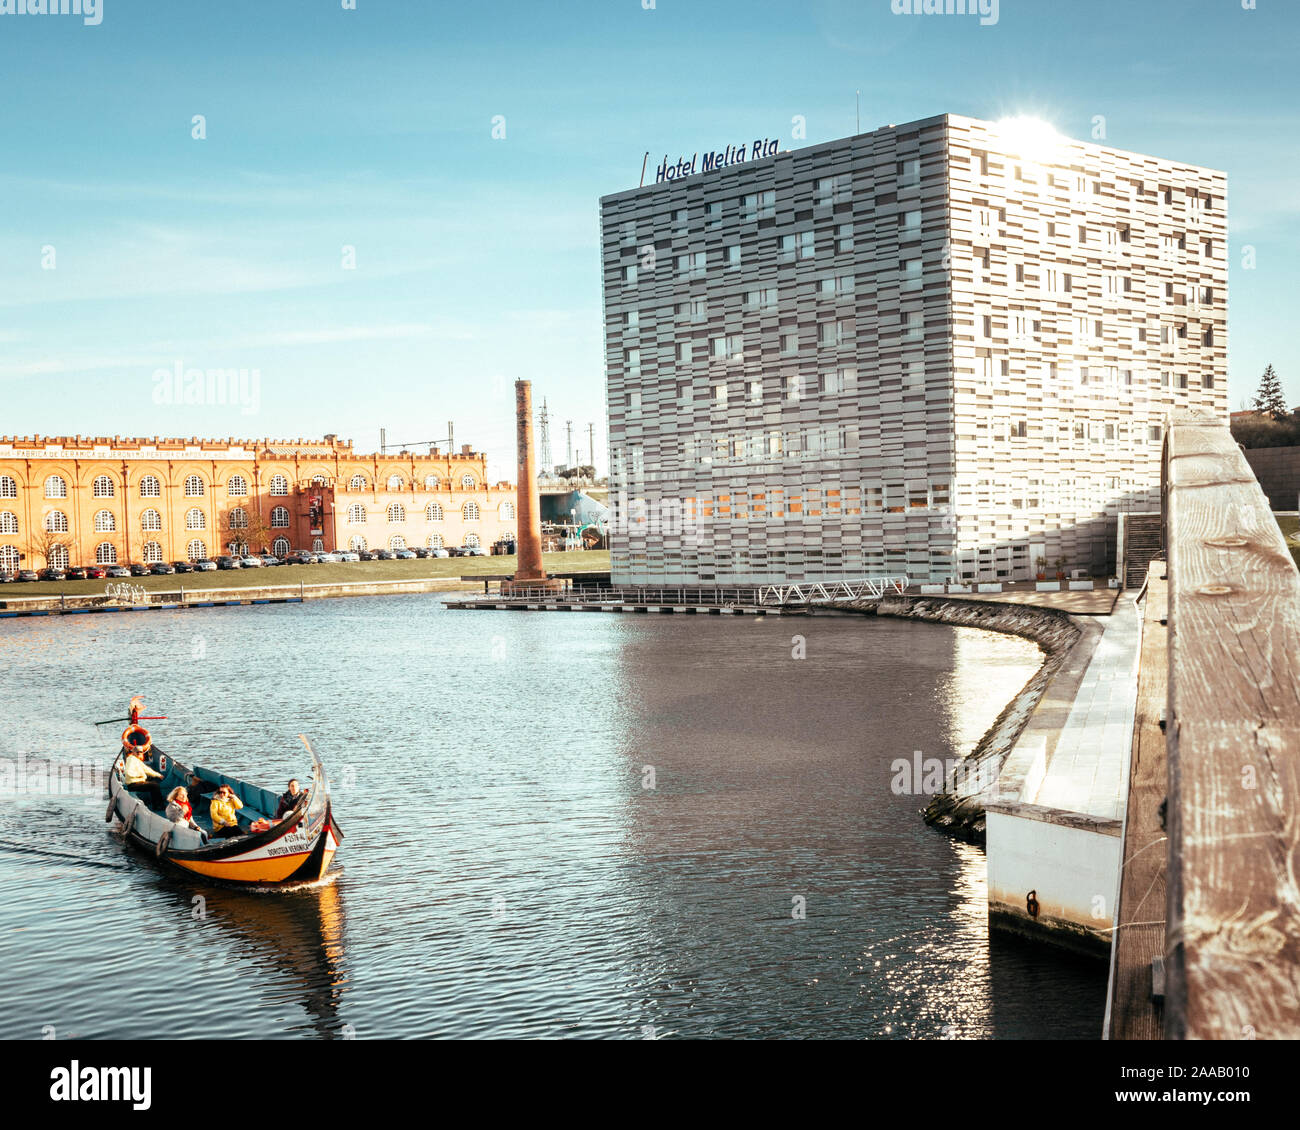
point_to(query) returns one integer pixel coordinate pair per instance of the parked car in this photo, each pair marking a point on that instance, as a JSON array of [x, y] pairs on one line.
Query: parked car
[[117, 571], [330, 557], [473, 551], [269, 559], [95, 572], [225, 562], [183, 566], [6, 577], [27, 575], [350, 555], [139, 569], [162, 569], [76, 573], [369, 555], [383, 555], [53, 574], [439, 552], [405, 554], [203, 565]]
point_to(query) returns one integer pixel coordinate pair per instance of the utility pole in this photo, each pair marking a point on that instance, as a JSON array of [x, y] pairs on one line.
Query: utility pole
[[544, 438], [591, 448], [568, 447]]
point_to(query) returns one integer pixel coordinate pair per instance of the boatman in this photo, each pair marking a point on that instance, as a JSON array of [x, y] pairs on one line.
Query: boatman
[[289, 799]]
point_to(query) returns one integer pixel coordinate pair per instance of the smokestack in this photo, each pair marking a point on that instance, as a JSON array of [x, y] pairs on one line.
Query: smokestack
[[529, 573]]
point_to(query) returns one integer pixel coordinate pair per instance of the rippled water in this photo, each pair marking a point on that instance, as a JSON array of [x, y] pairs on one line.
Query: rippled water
[[561, 824]]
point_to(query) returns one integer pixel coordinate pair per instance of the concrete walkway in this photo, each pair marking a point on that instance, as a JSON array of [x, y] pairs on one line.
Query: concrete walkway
[[1088, 768]]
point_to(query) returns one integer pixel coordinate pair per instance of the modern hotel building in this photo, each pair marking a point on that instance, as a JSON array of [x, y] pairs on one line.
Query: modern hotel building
[[945, 349]]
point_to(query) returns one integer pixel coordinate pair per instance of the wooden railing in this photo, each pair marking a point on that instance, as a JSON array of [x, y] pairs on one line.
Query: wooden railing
[[1232, 948]]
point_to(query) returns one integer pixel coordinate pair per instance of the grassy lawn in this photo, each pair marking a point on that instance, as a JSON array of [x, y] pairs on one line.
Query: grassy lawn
[[1290, 527], [342, 573]]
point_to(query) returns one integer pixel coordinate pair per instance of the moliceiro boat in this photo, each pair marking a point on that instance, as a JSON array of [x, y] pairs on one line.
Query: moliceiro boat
[[294, 849]]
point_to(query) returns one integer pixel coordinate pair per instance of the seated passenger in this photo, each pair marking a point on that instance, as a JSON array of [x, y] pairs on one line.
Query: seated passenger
[[179, 810], [140, 778], [224, 821], [289, 799]]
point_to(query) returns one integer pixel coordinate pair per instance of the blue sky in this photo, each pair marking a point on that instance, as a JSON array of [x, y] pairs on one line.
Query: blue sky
[[477, 259]]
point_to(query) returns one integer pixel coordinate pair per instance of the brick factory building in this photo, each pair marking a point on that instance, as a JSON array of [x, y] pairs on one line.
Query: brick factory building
[[945, 349], [81, 501]]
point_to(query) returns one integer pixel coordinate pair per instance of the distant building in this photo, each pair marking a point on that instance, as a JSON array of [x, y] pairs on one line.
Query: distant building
[[941, 349], [79, 501]]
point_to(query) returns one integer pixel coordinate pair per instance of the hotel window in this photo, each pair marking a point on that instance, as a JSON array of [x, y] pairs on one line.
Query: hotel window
[[838, 380], [357, 514], [910, 222], [151, 520], [789, 343], [909, 172], [1207, 338], [358, 482], [431, 482], [1110, 432], [986, 325], [238, 518], [693, 266], [1154, 432], [727, 348], [634, 400], [279, 485], [629, 274], [102, 487], [433, 512], [831, 334], [731, 256], [152, 553], [685, 350], [764, 299], [470, 512], [681, 217], [394, 482], [236, 486], [56, 522], [631, 319], [792, 386], [279, 518], [194, 519], [800, 245], [55, 487], [9, 522], [8, 487], [911, 269], [838, 285], [1207, 249], [758, 206], [1207, 381], [685, 394], [694, 310], [983, 222], [1182, 380], [712, 214], [720, 395], [631, 362], [844, 238], [468, 482], [834, 190], [105, 553], [756, 392], [627, 233], [104, 521], [913, 325]]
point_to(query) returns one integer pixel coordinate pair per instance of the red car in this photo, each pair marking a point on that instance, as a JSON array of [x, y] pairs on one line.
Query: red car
[[95, 572]]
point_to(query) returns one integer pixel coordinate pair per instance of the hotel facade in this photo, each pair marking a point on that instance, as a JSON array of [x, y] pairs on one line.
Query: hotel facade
[[75, 500], [945, 350]]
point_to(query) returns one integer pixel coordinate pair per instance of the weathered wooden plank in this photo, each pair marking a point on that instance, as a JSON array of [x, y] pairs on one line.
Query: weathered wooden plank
[[1233, 935], [1139, 935]]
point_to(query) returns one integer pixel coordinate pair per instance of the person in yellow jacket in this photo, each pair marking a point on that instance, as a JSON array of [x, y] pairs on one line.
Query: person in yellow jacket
[[222, 811]]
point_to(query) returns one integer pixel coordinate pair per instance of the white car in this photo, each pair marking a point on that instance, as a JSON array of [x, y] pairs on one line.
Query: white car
[[204, 566], [331, 557], [439, 552], [349, 555], [250, 562]]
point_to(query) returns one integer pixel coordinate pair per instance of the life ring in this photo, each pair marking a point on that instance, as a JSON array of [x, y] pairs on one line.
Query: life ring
[[137, 740]]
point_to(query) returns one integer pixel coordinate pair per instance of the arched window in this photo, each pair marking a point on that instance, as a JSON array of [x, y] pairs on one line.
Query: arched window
[[394, 482], [470, 513], [279, 485], [55, 487], [397, 512], [506, 511], [56, 557], [357, 544], [152, 553], [105, 523], [105, 553], [472, 541], [356, 514], [102, 487], [357, 482], [8, 487], [239, 548], [435, 541], [150, 487], [280, 546], [318, 545], [467, 482], [193, 487], [318, 480], [238, 519], [280, 518], [9, 522], [194, 519], [151, 520], [397, 542], [433, 512], [236, 486], [431, 482], [196, 550], [9, 558], [56, 521]]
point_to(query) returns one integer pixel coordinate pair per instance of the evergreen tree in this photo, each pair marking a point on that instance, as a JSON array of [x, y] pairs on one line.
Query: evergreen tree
[[1269, 399]]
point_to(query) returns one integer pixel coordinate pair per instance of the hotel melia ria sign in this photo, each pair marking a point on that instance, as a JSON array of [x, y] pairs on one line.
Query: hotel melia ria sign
[[708, 162]]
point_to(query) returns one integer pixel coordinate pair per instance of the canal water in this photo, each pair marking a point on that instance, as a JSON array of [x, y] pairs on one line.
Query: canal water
[[556, 825]]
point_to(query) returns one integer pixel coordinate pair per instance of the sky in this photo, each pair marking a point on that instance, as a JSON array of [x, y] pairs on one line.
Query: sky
[[128, 245]]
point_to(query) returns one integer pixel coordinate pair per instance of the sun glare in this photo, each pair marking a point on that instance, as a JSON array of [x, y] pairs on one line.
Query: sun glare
[[1029, 137]]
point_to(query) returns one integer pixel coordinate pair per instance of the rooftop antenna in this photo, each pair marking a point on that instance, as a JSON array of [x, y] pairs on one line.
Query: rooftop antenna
[[644, 161], [568, 452], [591, 447], [544, 438]]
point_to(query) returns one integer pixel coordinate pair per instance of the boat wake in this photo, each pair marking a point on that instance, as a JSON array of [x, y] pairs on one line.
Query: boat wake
[[46, 853]]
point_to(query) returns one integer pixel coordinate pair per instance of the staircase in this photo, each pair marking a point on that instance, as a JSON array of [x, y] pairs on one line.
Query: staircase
[[1141, 544]]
